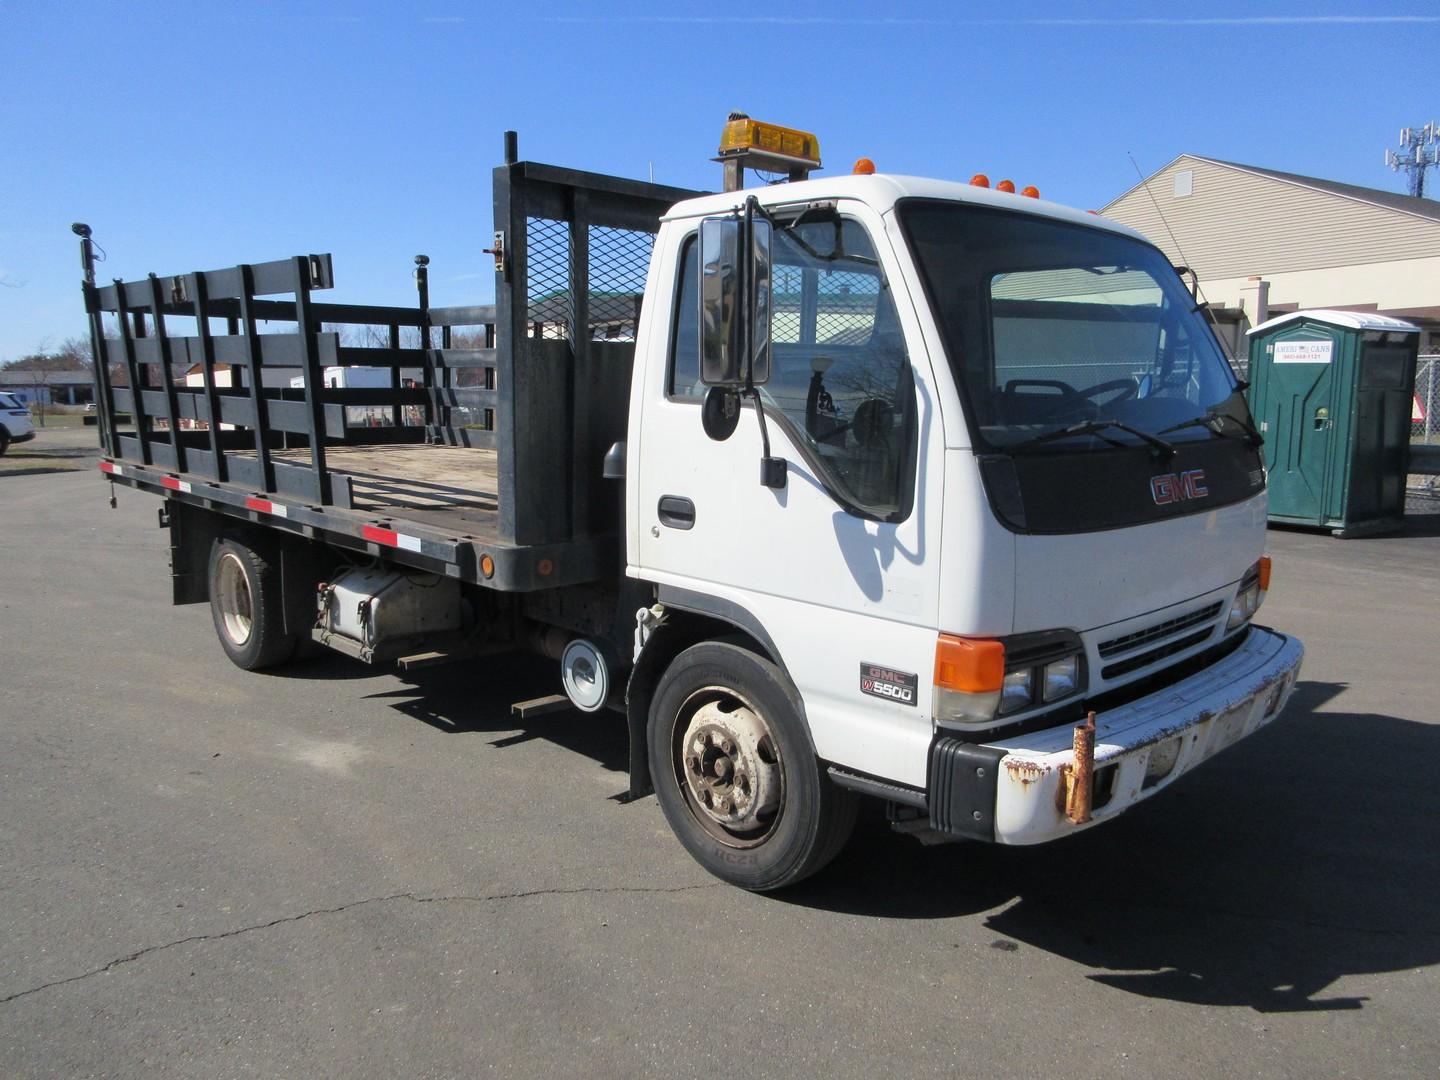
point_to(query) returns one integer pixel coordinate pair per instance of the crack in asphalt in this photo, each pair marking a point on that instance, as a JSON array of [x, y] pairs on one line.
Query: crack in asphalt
[[411, 896]]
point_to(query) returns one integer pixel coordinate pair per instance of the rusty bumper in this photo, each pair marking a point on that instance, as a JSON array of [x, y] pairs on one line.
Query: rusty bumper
[[1022, 790]]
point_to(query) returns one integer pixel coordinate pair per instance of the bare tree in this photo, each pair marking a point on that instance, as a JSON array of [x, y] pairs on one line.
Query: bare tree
[[32, 377], [75, 352]]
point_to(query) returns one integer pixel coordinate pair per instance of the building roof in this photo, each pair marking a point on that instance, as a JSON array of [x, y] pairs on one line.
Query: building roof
[[1351, 320], [24, 377], [1390, 200], [1387, 200]]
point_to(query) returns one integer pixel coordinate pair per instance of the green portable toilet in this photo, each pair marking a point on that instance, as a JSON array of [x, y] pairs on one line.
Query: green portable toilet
[[1331, 392]]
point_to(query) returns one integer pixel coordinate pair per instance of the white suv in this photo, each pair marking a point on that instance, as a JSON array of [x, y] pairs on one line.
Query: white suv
[[15, 425]]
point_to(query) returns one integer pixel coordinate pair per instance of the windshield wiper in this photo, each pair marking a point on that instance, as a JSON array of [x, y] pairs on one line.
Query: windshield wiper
[[1214, 421], [1095, 427]]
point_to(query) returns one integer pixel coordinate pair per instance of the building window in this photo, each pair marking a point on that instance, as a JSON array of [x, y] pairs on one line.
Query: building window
[[1184, 183]]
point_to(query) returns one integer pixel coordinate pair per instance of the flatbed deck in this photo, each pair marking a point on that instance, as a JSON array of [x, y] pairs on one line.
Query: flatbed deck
[[447, 487], [429, 506]]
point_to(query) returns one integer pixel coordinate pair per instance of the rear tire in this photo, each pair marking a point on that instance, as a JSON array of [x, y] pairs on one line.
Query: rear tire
[[735, 770], [4, 440], [247, 606]]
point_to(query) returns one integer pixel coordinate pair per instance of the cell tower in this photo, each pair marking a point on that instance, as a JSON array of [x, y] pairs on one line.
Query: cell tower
[[1419, 150]]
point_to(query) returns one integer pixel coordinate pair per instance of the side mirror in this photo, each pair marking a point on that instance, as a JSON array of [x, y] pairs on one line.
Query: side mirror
[[735, 301]]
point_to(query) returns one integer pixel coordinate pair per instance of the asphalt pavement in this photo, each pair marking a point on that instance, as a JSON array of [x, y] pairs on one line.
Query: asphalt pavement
[[339, 872]]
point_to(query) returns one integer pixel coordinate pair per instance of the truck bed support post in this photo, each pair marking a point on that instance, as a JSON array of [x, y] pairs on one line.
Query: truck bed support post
[[100, 354], [137, 381], [397, 414], [167, 377], [314, 379], [511, 343], [254, 368], [200, 299], [432, 406], [579, 418]]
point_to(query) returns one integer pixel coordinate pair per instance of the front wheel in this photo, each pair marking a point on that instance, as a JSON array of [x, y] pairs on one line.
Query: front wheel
[[4, 440], [736, 773], [247, 606]]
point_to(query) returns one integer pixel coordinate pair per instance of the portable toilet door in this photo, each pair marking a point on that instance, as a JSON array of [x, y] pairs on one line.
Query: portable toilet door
[[1321, 390]]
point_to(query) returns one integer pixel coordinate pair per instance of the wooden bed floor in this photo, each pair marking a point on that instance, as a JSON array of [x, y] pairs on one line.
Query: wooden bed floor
[[449, 487]]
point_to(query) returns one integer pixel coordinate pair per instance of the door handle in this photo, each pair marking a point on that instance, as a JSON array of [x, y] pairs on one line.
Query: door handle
[[676, 511]]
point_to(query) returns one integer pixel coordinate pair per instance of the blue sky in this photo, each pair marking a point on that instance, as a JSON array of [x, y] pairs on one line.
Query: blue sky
[[195, 136]]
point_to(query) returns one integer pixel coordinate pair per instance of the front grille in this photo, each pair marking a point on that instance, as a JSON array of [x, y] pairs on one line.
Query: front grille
[[1135, 663], [1140, 638]]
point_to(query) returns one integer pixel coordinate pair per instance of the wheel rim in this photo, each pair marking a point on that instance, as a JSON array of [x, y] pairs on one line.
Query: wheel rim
[[237, 611], [728, 767]]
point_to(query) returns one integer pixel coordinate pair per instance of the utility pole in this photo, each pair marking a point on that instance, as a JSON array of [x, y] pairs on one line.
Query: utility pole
[[1419, 150]]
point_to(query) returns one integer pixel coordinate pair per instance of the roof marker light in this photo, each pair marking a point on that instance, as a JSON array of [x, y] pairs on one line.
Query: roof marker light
[[980, 180], [1006, 185], [864, 167], [1030, 191]]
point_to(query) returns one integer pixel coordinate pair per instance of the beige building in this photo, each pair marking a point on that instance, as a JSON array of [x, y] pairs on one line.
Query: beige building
[[1264, 243]]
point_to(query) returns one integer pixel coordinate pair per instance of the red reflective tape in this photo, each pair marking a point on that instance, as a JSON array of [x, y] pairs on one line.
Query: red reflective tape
[[265, 506], [381, 536], [108, 467], [170, 482]]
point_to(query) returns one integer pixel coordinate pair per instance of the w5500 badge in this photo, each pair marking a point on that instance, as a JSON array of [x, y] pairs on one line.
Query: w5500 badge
[[883, 682]]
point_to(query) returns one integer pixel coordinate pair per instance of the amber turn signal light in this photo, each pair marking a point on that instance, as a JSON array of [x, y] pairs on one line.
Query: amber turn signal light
[[969, 665]]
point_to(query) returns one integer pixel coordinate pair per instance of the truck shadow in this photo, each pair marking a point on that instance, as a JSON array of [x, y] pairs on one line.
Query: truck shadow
[[475, 698], [1258, 881]]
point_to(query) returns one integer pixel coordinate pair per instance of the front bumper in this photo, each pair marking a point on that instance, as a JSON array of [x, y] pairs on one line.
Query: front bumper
[[1012, 791], [26, 437]]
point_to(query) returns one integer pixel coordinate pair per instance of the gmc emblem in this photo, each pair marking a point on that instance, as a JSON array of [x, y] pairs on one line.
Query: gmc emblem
[[1178, 487]]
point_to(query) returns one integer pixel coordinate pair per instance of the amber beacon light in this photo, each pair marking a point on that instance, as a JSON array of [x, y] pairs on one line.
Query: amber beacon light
[[754, 144]]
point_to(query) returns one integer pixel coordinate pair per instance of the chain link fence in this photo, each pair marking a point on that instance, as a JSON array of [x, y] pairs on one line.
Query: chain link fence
[[1425, 419]]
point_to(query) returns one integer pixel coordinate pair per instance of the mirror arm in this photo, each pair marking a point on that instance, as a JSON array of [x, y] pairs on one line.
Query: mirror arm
[[751, 205], [772, 470]]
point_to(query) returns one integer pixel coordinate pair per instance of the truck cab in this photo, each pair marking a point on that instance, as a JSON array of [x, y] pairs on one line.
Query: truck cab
[[1021, 490]]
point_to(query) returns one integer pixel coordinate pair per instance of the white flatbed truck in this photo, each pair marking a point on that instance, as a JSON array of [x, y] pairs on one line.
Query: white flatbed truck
[[859, 486]]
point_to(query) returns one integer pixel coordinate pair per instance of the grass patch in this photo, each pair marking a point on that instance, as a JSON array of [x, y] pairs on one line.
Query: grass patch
[[58, 420], [28, 463]]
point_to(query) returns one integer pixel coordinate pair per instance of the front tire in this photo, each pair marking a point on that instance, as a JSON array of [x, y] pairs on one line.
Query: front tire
[[4, 440], [247, 606], [736, 772]]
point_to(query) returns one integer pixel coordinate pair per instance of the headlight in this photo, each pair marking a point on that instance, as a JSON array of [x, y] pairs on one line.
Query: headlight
[[978, 679], [1250, 595], [1062, 678], [1017, 691]]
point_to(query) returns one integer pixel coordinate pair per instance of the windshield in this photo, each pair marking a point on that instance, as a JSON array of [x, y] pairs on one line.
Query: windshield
[[1049, 325]]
